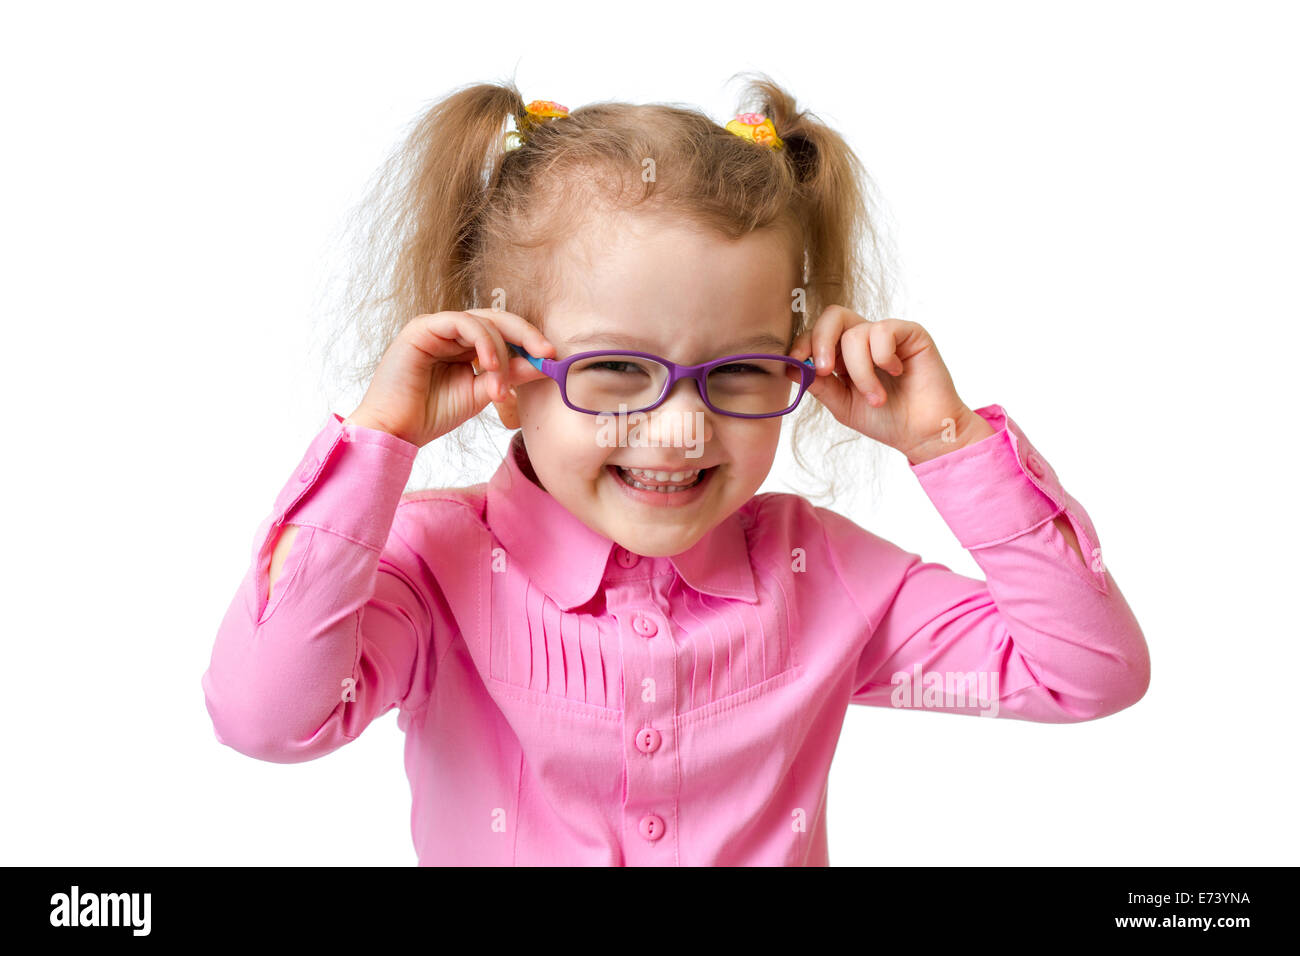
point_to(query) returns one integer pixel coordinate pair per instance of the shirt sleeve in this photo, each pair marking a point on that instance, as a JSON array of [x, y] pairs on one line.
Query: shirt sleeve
[[1045, 637], [347, 635]]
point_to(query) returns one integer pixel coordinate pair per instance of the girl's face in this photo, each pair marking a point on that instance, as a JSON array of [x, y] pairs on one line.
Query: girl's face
[[689, 297]]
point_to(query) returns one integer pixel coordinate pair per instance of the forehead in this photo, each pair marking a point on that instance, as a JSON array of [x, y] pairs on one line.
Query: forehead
[[611, 337], [644, 283]]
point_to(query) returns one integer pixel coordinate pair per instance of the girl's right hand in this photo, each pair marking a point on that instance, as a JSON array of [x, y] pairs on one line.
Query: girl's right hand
[[426, 386]]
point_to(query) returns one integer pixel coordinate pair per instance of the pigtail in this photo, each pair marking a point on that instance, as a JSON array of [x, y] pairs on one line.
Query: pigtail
[[845, 263], [413, 238], [846, 260], [449, 160]]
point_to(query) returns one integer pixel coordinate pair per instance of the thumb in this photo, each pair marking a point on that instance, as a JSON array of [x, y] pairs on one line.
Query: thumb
[[521, 370], [834, 394]]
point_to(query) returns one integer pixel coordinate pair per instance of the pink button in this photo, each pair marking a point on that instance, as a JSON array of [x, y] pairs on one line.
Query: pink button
[[647, 740], [625, 557], [652, 826], [305, 475], [644, 626], [1035, 464]]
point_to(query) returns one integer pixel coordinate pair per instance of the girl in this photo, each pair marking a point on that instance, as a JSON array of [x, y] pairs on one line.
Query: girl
[[615, 651]]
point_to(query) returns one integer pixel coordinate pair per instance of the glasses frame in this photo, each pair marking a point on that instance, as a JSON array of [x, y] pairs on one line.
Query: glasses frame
[[558, 369]]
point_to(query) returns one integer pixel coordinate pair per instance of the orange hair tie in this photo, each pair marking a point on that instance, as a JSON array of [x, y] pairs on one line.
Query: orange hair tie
[[756, 128], [538, 111]]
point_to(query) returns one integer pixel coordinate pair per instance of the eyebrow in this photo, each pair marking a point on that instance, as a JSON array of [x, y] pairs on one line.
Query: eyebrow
[[643, 345]]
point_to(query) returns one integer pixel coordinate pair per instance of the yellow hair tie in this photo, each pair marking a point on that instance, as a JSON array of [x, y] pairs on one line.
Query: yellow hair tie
[[537, 111], [756, 128]]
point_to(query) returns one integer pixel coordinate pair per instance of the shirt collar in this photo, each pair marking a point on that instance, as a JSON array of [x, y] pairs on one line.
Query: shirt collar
[[567, 559]]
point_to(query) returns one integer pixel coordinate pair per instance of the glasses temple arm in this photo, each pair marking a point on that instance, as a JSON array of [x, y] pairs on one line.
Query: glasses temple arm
[[532, 359]]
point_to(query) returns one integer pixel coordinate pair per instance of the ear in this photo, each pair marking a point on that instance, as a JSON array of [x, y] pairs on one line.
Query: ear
[[508, 411]]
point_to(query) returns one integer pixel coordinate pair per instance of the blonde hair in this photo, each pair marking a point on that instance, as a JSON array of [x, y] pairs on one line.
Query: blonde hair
[[453, 216]]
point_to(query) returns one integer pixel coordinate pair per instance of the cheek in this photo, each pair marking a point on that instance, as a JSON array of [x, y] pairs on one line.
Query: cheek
[[756, 453], [565, 441], [534, 406], [754, 440]]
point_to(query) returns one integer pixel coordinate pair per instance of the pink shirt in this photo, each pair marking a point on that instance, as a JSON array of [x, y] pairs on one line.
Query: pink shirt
[[568, 702]]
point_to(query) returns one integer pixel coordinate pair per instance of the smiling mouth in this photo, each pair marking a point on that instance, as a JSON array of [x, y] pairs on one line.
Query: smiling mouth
[[646, 483]]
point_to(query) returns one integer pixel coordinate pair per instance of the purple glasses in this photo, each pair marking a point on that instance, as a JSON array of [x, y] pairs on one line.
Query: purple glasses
[[608, 382]]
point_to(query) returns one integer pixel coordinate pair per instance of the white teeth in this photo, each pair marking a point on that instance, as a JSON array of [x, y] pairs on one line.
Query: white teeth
[[626, 474], [673, 476]]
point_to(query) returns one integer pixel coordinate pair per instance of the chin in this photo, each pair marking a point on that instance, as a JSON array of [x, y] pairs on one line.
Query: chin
[[661, 546]]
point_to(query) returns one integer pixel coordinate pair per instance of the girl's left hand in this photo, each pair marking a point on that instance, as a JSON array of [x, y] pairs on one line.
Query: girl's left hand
[[915, 408]]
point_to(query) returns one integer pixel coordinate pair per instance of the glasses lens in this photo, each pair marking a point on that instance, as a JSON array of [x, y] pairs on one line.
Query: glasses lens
[[603, 383], [753, 386], [612, 382]]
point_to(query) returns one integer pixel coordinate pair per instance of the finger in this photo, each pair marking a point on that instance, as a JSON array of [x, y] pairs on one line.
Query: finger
[[472, 334], [802, 347], [884, 347], [501, 370], [519, 330], [826, 333], [841, 369], [834, 393], [799, 350], [436, 334], [500, 355], [515, 328], [485, 390], [855, 346]]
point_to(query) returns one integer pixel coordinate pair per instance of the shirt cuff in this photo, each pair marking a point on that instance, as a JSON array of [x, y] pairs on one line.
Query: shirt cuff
[[349, 483], [1000, 487]]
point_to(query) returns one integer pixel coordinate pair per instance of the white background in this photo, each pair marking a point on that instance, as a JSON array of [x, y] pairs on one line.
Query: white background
[[1095, 207]]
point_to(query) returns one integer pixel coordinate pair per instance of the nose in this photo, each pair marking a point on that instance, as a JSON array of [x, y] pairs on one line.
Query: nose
[[683, 418]]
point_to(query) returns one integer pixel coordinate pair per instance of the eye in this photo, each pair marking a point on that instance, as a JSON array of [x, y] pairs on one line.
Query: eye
[[611, 366], [740, 368]]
